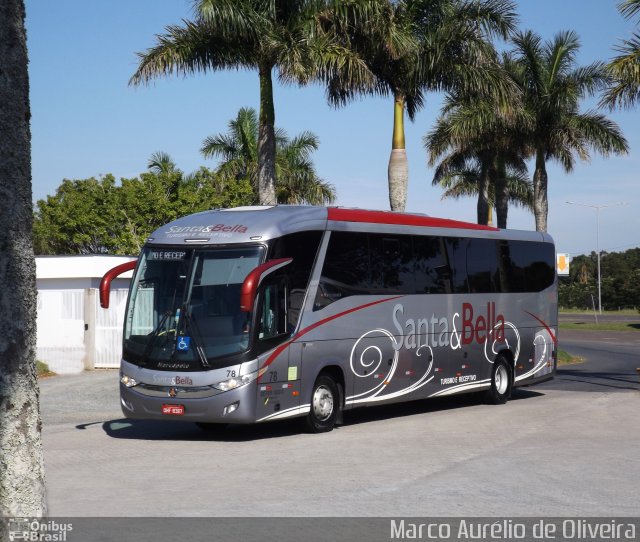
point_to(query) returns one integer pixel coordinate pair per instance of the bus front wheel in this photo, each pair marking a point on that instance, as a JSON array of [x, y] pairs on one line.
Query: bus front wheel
[[501, 383], [324, 405]]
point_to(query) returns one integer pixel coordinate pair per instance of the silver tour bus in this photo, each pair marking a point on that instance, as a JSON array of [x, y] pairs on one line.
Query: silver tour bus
[[263, 313]]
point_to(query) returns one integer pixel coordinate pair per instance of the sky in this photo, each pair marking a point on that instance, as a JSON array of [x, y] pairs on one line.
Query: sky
[[88, 121]]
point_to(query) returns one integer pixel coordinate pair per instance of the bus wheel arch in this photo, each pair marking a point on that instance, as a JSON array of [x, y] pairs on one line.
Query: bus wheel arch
[[326, 400], [502, 378], [511, 362]]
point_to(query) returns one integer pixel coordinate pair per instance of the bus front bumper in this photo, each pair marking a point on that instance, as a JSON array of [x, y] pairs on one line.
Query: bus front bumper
[[234, 406]]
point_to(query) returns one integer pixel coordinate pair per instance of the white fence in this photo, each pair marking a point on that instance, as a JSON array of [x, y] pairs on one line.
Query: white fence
[[75, 333]]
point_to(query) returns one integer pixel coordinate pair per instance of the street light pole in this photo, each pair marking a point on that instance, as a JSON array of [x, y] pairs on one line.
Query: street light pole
[[597, 209]]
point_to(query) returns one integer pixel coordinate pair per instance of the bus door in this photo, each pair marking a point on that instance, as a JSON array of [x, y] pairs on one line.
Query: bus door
[[279, 385]]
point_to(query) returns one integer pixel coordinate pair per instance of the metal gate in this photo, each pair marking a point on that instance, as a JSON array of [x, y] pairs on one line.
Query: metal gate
[[104, 335]]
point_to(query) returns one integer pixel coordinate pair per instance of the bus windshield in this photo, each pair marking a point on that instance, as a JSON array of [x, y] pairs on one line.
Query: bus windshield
[[184, 308]]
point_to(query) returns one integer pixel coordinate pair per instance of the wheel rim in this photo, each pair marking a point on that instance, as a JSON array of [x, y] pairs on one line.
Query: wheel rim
[[322, 403], [502, 379]]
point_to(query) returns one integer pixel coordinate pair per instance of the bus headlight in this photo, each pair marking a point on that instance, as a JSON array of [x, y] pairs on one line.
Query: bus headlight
[[128, 381], [235, 382]]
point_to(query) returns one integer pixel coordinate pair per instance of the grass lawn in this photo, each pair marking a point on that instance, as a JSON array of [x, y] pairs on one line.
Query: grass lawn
[[43, 369], [623, 312], [605, 326], [564, 358]]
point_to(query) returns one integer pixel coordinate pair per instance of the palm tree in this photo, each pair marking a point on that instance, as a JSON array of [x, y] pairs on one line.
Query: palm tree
[[468, 180], [252, 34], [624, 69], [161, 163], [415, 46], [553, 87], [479, 142], [296, 180], [22, 490]]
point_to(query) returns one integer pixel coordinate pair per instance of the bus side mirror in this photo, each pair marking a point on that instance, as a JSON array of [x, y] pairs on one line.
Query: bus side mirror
[[254, 278], [105, 283]]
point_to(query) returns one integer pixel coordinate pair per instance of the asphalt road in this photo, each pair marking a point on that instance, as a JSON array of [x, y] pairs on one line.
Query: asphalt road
[[563, 448]]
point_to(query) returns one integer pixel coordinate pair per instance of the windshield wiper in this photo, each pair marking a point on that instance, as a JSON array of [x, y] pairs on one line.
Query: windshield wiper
[[154, 335], [197, 337]]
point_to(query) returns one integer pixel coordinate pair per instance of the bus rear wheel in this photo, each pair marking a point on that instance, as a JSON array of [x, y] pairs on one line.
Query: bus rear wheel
[[501, 383], [324, 405]]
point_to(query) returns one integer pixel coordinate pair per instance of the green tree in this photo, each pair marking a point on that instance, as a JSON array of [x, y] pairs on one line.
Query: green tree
[[624, 69], [82, 218], [296, 180], [98, 216], [22, 487], [553, 88], [417, 46], [251, 34], [620, 272]]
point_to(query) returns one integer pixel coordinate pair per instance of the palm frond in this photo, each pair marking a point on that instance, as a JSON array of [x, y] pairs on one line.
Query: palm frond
[[629, 8], [192, 48], [600, 133], [624, 71], [161, 163]]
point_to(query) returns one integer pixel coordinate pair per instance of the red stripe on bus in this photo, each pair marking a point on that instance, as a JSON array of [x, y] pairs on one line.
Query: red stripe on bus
[[553, 337], [306, 330], [386, 217]]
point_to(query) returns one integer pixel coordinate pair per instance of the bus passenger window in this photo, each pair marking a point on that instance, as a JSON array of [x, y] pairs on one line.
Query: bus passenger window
[[432, 272], [482, 266], [457, 252], [391, 262], [346, 269]]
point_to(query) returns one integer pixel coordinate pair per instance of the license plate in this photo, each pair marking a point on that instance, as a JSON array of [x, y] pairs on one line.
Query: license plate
[[173, 410]]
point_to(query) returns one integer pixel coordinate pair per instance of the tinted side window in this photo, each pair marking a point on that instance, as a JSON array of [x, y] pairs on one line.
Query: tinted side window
[[513, 261], [528, 266], [482, 266], [346, 268], [432, 273], [362, 263], [457, 253], [474, 265], [391, 259]]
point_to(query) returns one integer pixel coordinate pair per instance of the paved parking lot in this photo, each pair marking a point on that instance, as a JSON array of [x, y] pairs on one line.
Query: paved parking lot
[[553, 450]]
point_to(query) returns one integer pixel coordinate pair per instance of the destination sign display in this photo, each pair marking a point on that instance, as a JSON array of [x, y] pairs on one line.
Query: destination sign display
[[168, 255]]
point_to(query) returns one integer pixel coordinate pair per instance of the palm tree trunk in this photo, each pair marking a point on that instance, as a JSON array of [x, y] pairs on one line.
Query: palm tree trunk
[[540, 198], [266, 140], [398, 171], [22, 491], [502, 193], [483, 192]]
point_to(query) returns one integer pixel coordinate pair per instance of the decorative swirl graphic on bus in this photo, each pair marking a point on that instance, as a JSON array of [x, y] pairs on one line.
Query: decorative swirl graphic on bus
[[509, 329], [365, 362], [370, 358]]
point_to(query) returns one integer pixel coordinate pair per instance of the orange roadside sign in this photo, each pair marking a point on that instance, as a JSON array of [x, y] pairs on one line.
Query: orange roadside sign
[[562, 264]]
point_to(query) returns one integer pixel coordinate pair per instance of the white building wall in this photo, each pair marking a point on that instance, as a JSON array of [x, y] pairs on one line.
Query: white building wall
[[74, 332]]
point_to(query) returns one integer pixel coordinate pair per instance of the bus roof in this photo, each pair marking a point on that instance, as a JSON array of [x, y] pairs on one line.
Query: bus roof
[[261, 223]]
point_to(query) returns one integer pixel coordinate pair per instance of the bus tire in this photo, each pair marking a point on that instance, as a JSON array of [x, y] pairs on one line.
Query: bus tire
[[324, 405], [501, 382]]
